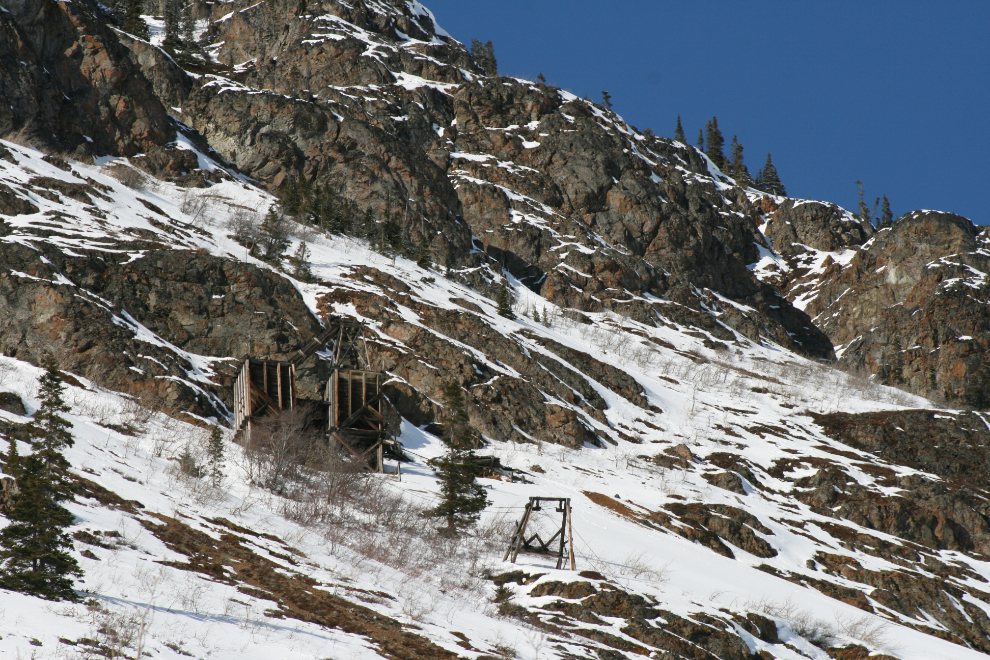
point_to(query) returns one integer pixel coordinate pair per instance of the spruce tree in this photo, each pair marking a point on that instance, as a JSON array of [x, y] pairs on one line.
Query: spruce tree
[[273, 237], [133, 23], [51, 433], [171, 10], [865, 212], [606, 99], [300, 263], [679, 132], [34, 556], [701, 140], [542, 78], [886, 215], [739, 170], [714, 143], [214, 452], [504, 301], [462, 498], [768, 181]]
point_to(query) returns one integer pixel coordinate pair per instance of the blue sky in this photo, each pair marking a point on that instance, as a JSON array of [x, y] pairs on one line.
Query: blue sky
[[896, 94]]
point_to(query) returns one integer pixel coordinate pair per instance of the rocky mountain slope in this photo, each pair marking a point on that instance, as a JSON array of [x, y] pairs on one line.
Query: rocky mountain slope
[[675, 387]]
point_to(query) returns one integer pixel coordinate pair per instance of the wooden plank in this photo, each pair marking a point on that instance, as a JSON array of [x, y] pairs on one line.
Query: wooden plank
[[570, 535]]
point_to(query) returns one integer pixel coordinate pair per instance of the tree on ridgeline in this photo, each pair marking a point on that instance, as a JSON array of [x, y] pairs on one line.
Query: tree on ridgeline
[[886, 215], [769, 181], [34, 557], [133, 22], [679, 132], [701, 140], [484, 56], [714, 143], [865, 212], [738, 168]]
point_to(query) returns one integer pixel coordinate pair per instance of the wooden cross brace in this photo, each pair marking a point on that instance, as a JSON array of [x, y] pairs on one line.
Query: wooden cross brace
[[519, 542]]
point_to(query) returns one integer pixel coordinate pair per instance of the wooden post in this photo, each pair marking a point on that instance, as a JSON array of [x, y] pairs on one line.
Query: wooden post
[[513, 548], [570, 534], [563, 525]]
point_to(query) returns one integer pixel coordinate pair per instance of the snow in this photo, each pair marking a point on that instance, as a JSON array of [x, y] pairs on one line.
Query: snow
[[706, 399]]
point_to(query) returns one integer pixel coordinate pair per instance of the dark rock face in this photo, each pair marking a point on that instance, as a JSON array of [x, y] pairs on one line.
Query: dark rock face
[[101, 324], [65, 78], [581, 207], [12, 403], [798, 224]]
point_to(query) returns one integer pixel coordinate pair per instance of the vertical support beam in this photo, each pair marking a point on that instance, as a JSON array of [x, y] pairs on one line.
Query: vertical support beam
[[520, 535], [278, 379], [563, 527], [381, 456], [570, 534]]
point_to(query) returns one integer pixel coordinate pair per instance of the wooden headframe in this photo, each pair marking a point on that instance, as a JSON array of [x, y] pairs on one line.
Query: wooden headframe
[[353, 394], [357, 418], [537, 546], [262, 388], [345, 340]]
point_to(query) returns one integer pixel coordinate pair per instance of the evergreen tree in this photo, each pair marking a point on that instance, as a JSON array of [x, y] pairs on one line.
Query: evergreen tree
[[133, 23], [504, 301], [679, 132], [273, 236], [607, 100], [768, 181], [34, 556], [484, 56], [886, 215], [714, 143], [214, 452], [542, 78], [701, 140], [171, 42], [300, 263], [739, 170], [51, 433], [462, 498], [188, 26], [865, 212]]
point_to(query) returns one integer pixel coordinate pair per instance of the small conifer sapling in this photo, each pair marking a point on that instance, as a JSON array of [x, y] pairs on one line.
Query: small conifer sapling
[[504, 301], [462, 498], [214, 452], [679, 132]]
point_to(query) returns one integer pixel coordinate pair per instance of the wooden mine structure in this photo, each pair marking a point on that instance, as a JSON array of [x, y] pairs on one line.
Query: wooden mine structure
[[353, 402], [537, 546]]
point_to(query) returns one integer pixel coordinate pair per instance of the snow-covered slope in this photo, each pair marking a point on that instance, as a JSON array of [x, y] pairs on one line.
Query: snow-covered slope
[[688, 493]]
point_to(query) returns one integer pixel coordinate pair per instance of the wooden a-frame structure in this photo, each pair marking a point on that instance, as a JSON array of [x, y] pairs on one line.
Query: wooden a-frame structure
[[537, 546]]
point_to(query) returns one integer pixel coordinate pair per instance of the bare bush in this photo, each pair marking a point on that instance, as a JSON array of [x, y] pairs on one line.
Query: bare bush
[[196, 206], [868, 629], [279, 448], [243, 224]]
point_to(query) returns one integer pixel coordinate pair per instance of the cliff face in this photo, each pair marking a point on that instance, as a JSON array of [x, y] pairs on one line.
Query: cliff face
[[906, 303], [70, 86]]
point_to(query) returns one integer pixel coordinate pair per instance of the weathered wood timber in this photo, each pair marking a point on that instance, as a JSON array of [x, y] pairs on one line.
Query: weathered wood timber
[[534, 544], [356, 413], [262, 388]]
